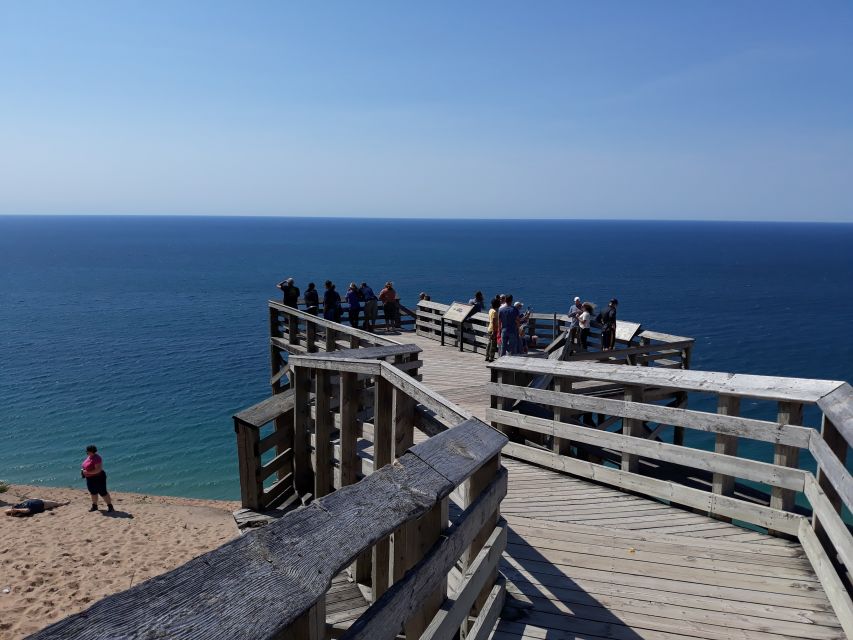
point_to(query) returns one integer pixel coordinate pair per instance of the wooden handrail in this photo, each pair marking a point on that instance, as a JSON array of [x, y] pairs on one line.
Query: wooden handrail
[[260, 584]]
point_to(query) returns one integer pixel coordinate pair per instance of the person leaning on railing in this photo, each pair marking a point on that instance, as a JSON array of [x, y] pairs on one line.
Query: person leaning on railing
[[312, 299], [370, 307], [390, 305]]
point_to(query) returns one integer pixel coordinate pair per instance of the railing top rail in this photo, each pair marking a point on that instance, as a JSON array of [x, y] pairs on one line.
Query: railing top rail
[[272, 576], [331, 324], [260, 414], [737, 384], [837, 406]]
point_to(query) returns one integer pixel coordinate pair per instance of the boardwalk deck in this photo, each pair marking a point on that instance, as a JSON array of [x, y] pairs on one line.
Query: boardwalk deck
[[588, 561]]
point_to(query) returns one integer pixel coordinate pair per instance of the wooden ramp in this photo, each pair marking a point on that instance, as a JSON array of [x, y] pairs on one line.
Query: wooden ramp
[[586, 561]]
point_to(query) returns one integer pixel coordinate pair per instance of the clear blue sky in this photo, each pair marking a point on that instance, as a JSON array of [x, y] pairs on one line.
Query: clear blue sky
[[710, 110]]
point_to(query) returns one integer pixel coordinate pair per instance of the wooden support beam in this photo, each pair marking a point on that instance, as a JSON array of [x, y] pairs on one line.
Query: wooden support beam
[[724, 485], [632, 427], [303, 474], [561, 446], [311, 625], [249, 461], [838, 446], [323, 425], [785, 455], [383, 454], [331, 337]]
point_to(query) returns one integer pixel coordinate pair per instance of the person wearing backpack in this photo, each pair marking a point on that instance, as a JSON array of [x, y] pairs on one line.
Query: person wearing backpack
[[607, 318]]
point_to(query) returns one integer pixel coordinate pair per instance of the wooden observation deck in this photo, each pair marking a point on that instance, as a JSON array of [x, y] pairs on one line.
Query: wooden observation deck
[[389, 507]]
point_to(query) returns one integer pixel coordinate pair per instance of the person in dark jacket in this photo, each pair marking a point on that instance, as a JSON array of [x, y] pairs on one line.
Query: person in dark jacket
[[607, 318], [290, 292], [354, 304], [312, 299], [331, 303]]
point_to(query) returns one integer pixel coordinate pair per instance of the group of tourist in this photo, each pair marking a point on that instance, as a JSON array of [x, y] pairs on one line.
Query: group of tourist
[[507, 327], [359, 299], [580, 321]]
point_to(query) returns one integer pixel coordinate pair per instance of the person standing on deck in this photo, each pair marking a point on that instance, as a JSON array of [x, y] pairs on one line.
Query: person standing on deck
[[477, 302], [92, 470], [370, 307], [290, 293], [493, 330], [607, 318], [584, 320], [354, 305], [509, 319], [331, 302], [312, 299], [388, 296], [574, 327]]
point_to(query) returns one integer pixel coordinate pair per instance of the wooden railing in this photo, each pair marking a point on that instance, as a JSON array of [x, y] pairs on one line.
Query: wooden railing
[[633, 344], [391, 531], [297, 332], [564, 427]]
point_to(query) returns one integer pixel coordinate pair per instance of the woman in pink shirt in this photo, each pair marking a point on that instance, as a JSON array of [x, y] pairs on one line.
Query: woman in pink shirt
[[96, 478]]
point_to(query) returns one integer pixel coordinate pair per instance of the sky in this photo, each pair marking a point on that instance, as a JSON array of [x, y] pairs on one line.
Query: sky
[[641, 110]]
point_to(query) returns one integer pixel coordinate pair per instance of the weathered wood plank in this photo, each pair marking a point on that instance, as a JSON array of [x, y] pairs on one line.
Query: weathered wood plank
[[695, 458], [700, 420], [384, 620], [832, 585], [738, 384], [303, 474], [323, 424], [786, 456], [832, 469], [721, 505], [835, 528], [837, 406], [266, 411], [724, 484]]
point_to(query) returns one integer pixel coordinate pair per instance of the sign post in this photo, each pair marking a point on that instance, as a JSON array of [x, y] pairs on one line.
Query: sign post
[[458, 313]]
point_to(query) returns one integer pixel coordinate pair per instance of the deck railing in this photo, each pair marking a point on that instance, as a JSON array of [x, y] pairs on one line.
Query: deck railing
[[564, 427], [633, 344], [391, 531]]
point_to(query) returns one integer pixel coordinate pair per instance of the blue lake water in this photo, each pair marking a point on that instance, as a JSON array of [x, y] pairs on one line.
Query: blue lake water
[[145, 335]]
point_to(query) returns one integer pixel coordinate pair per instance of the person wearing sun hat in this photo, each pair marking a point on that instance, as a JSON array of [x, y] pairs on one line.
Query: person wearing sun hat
[[574, 328]]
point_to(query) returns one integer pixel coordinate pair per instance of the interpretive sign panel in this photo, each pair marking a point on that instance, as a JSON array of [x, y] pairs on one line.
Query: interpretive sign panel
[[459, 312]]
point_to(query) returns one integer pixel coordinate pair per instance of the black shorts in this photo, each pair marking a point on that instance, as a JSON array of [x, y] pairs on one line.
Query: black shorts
[[97, 485]]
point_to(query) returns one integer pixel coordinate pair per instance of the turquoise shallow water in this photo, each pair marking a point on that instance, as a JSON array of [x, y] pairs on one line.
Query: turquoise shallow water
[[145, 335]]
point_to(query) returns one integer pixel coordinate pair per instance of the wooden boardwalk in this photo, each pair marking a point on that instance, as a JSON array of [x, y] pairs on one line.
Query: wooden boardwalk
[[585, 561]]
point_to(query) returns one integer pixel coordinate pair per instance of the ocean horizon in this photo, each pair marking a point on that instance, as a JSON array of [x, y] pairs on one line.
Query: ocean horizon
[[145, 334]]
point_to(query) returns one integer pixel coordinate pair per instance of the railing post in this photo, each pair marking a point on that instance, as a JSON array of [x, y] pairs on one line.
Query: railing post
[[292, 329], [311, 625], [786, 455], [724, 485], [559, 445], [632, 427], [838, 445], [249, 459], [303, 476], [426, 533], [383, 453], [323, 425], [311, 336], [472, 489], [331, 336]]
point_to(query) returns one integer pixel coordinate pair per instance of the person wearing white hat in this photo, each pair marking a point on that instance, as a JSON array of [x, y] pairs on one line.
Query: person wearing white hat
[[574, 328]]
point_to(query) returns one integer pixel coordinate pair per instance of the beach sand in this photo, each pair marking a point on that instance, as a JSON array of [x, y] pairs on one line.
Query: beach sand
[[62, 561]]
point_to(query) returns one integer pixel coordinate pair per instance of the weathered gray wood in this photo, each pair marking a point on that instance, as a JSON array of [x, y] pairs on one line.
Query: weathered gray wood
[[738, 384], [430, 527], [836, 443], [786, 456], [561, 445], [480, 575], [699, 420], [365, 336], [303, 474], [492, 608], [632, 427], [260, 583], [267, 410], [837, 406], [349, 429], [696, 458], [836, 530], [311, 625], [832, 585], [249, 462], [380, 352], [323, 424], [661, 489], [724, 484], [331, 362], [474, 440], [384, 620], [383, 454], [422, 394], [831, 470]]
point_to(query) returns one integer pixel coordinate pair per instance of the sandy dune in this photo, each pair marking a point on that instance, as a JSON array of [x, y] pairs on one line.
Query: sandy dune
[[60, 562]]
